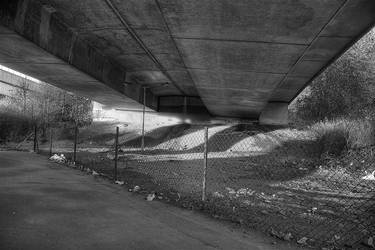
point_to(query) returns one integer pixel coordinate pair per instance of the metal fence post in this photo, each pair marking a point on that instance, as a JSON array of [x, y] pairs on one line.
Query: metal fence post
[[143, 120], [75, 143], [116, 153], [35, 138], [50, 143], [205, 158]]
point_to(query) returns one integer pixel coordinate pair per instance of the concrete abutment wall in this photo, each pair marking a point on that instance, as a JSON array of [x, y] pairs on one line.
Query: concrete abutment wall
[[275, 113]]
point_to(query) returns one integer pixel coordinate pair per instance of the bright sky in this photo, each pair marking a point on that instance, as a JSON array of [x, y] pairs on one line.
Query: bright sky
[[5, 89], [19, 74], [14, 72]]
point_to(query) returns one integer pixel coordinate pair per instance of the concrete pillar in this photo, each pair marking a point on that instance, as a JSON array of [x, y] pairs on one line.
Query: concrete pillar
[[275, 113]]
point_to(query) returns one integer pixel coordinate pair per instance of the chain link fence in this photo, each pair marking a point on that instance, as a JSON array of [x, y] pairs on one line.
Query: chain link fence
[[282, 187], [271, 179]]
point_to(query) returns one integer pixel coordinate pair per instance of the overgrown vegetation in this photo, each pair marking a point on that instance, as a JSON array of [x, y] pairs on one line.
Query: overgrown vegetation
[[338, 135], [345, 89], [339, 106], [33, 104]]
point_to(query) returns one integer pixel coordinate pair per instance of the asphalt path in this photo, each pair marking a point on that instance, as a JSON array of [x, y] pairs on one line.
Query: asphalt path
[[45, 205]]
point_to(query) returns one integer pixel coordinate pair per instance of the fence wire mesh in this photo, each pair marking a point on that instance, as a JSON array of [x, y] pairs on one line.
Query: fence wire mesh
[[287, 191], [174, 165], [274, 180]]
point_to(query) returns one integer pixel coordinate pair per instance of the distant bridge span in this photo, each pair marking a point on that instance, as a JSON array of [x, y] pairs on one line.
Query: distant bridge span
[[243, 58]]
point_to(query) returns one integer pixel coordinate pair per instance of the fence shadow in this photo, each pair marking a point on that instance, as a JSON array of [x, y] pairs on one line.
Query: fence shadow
[[159, 135], [225, 139], [178, 138]]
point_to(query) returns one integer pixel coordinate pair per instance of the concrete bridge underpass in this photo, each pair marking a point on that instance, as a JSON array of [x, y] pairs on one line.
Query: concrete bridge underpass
[[242, 59]]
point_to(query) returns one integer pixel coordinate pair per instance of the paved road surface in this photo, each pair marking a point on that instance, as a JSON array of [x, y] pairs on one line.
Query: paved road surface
[[45, 205]]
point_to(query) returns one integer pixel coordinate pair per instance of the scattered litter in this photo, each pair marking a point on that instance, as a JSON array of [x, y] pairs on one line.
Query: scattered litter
[[265, 212], [150, 197], [242, 191], [94, 173], [288, 237], [337, 237], [230, 190], [280, 235], [282, 212], [120, 182], [110, 156], [247, 202], [136, 189], [369, 242], [276, 234], [313, 210], [302, 241], [369, 177], [58, 158], [217, 195]]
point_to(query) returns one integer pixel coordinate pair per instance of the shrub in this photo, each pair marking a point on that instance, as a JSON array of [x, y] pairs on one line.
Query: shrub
[[335, 136], [344, 89], [14, 127]]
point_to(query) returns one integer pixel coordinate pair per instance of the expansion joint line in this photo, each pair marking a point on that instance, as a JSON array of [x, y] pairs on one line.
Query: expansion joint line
[[174, 41], [335, 14], [140, 42]]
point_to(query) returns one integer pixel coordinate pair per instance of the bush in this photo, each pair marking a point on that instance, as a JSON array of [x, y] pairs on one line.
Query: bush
[[344, 90], [13, 127], [336, 136]]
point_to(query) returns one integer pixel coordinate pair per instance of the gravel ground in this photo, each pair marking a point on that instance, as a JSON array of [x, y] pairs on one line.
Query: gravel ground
[[272, 180], [321, 200]]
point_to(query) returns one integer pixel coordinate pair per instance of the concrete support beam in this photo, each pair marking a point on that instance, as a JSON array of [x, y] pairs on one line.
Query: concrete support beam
[[275, 113], [231, 58], [64, 51]]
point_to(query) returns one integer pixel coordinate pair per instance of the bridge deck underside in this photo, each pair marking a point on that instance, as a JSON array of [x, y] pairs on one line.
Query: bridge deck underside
[[237, 56]]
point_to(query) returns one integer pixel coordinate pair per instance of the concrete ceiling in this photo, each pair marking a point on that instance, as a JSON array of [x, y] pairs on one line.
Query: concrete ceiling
[[237, 56]]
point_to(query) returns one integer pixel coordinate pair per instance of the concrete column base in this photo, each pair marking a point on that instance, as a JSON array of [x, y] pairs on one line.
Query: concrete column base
[[275, 113]]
